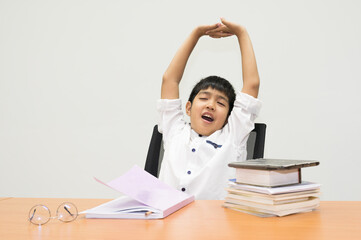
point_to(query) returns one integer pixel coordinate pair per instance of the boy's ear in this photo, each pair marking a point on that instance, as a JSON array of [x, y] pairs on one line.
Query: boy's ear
[[188, 108]]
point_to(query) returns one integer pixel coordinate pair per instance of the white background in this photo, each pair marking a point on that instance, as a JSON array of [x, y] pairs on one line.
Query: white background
[[79, 80]]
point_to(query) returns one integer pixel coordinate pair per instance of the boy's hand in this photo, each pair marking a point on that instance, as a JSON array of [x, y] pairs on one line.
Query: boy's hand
[[203, 29], [226, 29]]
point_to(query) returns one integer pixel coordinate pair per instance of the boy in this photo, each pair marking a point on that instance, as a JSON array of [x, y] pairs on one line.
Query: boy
[[196, 155]]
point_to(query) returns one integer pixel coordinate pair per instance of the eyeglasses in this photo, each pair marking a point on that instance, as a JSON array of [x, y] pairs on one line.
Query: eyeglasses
[[40, 214]]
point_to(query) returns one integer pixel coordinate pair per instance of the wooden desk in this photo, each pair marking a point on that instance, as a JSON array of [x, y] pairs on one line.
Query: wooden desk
[[199, 220]]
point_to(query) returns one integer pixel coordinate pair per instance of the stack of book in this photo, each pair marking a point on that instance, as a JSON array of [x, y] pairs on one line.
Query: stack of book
[[272, 187]]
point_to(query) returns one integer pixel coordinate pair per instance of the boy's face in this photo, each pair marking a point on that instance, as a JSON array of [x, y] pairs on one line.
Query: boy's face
[[208, 112]]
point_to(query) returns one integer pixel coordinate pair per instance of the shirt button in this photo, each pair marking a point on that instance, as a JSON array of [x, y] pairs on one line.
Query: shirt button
[[189, 172], [183, 189], [193, 149]]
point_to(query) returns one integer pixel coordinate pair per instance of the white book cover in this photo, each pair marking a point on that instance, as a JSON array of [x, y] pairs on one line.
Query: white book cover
[[270, 200], [268, 213], [276, 208], [304, 186]]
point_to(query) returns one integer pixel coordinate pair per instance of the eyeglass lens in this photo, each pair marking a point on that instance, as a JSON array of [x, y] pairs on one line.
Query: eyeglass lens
[[40, 214], [67, 212]]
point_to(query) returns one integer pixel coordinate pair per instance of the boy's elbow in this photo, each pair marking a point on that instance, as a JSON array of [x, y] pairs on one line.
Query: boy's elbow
[[169, 79], [255, 84], [166, 77], [252, 87]]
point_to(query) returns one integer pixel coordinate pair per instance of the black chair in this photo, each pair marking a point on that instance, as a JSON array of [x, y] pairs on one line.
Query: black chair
[[256, 141], [255, 148]]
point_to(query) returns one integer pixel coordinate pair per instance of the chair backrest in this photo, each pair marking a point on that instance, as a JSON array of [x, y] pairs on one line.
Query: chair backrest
[[155, 153], [255, 148], [256, 141]]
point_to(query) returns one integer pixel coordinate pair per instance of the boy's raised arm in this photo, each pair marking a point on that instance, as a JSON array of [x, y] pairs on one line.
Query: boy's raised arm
[[250, 76], [175, 70], [251, 79]]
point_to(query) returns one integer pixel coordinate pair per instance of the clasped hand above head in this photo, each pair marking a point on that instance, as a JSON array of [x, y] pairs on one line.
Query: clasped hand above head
[[220, 30], [175, 70]]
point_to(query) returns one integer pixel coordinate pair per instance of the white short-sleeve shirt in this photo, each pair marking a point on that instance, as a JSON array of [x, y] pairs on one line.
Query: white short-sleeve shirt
[[198, 165]]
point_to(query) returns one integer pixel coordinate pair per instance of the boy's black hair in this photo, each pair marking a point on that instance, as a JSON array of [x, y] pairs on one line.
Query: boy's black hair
[[217, 83]]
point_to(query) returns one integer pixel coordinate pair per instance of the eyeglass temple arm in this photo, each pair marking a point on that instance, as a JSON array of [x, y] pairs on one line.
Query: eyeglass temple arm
[[66, 209], [32, 216]]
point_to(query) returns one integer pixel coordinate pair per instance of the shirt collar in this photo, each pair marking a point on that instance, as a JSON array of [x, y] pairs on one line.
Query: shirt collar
[[195, 135]]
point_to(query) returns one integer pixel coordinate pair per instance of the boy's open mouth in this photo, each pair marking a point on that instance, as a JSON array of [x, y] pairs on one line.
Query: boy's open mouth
[[207, 117]]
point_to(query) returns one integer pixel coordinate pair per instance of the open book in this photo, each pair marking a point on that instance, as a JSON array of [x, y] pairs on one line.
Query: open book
[[146, 198]]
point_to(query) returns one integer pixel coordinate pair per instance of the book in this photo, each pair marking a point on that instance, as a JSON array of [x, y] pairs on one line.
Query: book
[[272, 199], [270, 172], [146, 198], [275, 208], [304, 186], [308, 206]]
